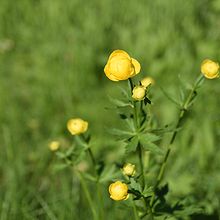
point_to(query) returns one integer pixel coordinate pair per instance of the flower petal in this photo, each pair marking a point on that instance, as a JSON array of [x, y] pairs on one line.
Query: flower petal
[[119, 53], [137, 65], [108, 74]]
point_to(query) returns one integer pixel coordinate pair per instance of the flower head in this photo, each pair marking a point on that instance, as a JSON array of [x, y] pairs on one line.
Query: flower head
[[121, 66], [147, 81], [118, 191], [77, 126], [54, 145], [138, 93], [210, 69], [129, 169]]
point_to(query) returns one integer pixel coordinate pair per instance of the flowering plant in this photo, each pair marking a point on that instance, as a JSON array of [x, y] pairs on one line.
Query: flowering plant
[[139, 184]]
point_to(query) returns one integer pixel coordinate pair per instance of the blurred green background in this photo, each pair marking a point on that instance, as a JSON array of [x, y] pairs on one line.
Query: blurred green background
[[52, 55]]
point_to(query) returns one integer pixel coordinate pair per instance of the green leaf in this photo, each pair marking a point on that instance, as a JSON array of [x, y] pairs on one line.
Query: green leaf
[[170, 98], [89, 177], [148, 191], [109, 172], [132, 144], [69, 151], [81, 142], [121, 103], [121, 133], [147, 140], [135, 185], [162, 191], [60, 166], [60, 155]]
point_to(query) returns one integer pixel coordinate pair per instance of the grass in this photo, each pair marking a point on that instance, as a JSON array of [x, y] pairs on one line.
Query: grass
[[52, 55]]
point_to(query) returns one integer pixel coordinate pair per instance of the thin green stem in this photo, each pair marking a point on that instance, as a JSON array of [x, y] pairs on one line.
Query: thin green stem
[[141, 162], [140, 151], [92, 157], [136, 216], [150, 209], [183, 110], [87, 194], [94, 163], [131, 84]]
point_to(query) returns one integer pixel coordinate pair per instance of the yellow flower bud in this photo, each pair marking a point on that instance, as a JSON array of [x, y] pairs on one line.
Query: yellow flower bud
[[77, 126], [118, 191], [121, 66], [147, 81], [129, 169], [138, 93], [54, 145], [210, 69]]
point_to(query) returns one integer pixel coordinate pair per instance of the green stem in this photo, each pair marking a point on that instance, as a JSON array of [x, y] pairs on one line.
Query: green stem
[[92, 157], [131, 84], [183, 110], [140, 151], [141, 162], [94, 163], [136, 216], [87, 194]]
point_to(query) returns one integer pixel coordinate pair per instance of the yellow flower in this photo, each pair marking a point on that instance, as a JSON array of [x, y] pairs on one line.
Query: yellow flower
[[121, 66], [210, 69], [77, 126], [129, 169], [138, 93], [118, 191], [54, 145], [147, 81]]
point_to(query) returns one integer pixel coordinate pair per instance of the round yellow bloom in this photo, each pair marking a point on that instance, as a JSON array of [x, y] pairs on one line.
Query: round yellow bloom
[[118, 191], [147, 81], [121, 66], [129, 169], [77, 126], [210, 69], [54, 145], [138, 93]]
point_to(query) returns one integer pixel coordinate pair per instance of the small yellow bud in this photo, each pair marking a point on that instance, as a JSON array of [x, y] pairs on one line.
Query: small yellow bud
[[118, 191], [121, 66], [54, 145], [77, 126], [147, 81], [138, 93], [129, 169], [210, 69]]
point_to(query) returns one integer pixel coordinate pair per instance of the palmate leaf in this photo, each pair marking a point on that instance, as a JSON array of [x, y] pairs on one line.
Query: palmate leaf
[[135, 185], [147, 140], [132, 144]]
